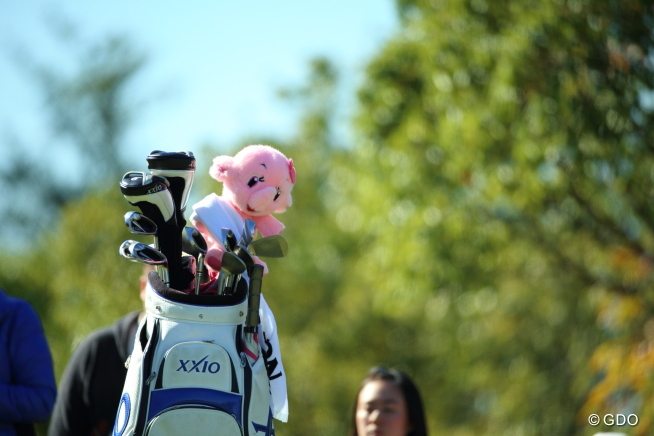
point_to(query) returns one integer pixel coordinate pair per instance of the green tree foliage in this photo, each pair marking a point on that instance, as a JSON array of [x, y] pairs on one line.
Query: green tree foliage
[[498, 203], [301, 288]]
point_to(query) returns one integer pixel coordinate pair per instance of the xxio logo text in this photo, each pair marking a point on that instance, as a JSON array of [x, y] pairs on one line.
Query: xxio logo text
[[199, 366]]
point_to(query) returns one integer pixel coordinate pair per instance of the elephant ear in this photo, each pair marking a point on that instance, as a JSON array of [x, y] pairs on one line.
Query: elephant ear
[[221, 168]]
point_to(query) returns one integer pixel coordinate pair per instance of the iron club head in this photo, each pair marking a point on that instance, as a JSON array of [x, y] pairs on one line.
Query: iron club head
[[228, 239], [140, 224], [244, 255], [231, 265], [249, 228], [124, 249], [145, 254], [148, 255], [193, 242], [271, 246]]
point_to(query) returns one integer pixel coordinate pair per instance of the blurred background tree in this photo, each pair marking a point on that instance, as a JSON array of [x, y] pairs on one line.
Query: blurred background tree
[[506, 204], [90, 106], [488, 231]]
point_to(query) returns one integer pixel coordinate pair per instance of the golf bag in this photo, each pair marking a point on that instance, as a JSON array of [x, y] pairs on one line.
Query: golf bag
[[190, 372], [202, 363]]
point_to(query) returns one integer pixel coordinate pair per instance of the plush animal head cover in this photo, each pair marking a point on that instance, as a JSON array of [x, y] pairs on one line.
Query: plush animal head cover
[[257, 181]]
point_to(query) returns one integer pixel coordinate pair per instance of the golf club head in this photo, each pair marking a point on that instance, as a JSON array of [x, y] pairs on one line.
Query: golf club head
[[123, 250], [146, 254], [130, 247], [193, 242], [140, 224], [151, 194], [231, 265], [228, 239], [244, 255], [271, 246], [178, 167], [249, 228]]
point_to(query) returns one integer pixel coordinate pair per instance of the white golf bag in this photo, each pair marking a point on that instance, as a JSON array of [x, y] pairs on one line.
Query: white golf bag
[[191, 373]]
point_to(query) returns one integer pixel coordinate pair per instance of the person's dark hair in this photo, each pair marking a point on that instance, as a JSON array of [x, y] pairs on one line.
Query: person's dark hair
[[411, 394]]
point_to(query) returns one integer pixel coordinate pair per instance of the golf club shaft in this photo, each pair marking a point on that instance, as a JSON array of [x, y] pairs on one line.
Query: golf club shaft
[[222, 282]]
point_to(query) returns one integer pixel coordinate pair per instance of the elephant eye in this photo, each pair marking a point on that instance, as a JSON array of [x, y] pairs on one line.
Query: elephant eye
[[254, 180], [279, 192]]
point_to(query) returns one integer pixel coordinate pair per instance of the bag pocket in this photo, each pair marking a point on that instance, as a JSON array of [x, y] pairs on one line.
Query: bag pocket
[[193, 420], [197, 364], [196, 392]]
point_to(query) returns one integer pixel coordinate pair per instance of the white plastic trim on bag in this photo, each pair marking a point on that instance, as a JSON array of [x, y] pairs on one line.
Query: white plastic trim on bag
[[160, 307]]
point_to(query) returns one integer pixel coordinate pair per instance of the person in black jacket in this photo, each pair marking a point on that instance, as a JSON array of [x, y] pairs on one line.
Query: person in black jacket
[[92, 383]]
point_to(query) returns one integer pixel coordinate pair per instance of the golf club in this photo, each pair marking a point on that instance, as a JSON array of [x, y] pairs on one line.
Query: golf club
[[197, 247], [249, 228], [228, 239], [244, 255], [193, 242], [178, 167], [139, 224], [271, 246], [247, 259], [231, 265], [148, 255], [151, 194], [124, 249]]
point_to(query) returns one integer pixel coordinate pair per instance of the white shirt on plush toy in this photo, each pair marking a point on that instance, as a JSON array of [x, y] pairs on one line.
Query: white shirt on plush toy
[[257, 181]]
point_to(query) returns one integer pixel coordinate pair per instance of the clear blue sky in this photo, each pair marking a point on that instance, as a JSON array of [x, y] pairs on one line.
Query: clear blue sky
[[215, 65]]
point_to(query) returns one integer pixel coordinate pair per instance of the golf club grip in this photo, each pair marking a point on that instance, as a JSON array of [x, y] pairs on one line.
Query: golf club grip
[[254, 297]]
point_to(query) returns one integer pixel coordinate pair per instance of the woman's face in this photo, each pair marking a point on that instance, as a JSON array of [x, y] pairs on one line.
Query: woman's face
[[381, 410]]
